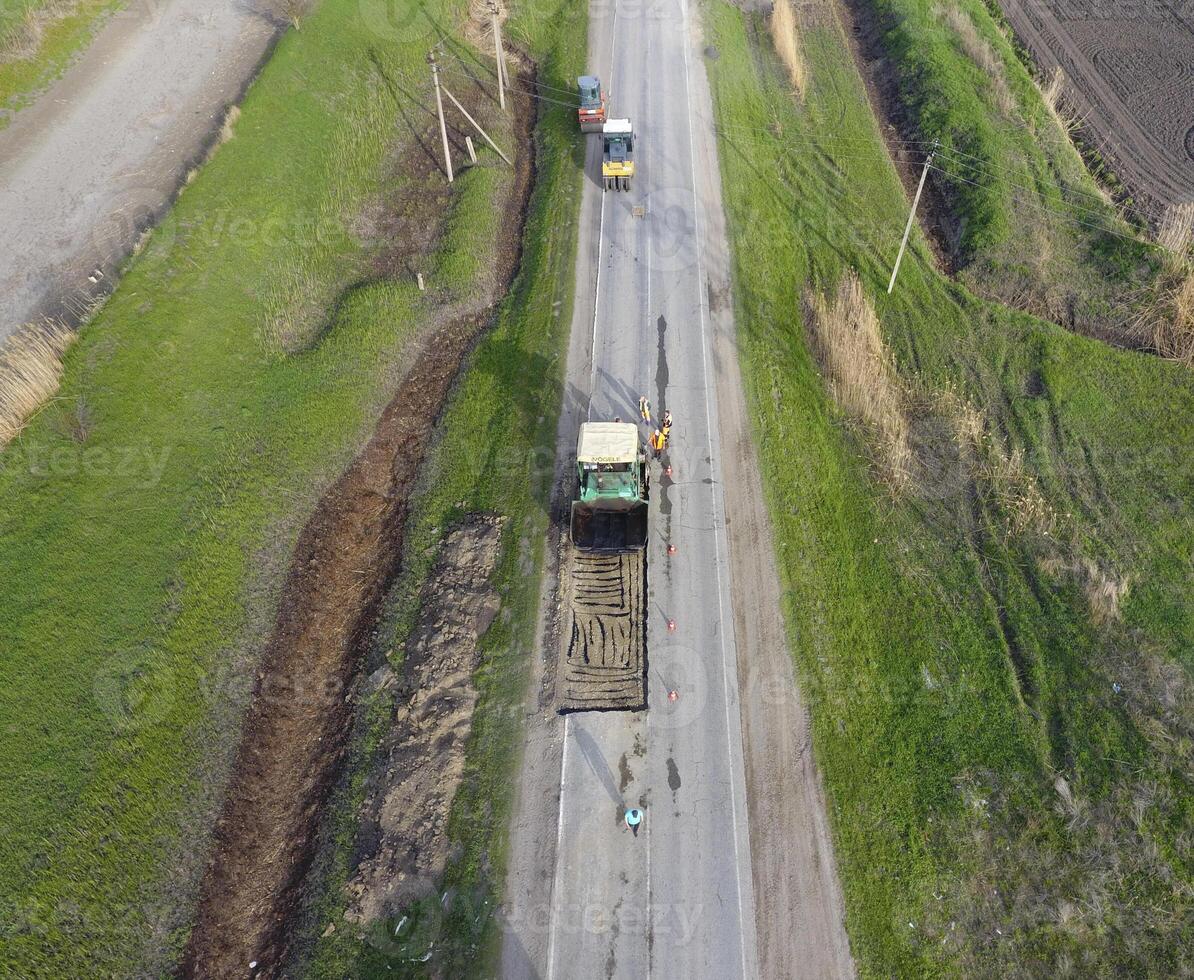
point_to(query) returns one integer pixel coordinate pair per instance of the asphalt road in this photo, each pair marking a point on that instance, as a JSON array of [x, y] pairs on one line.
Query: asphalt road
[[677, 900], [99, 155]]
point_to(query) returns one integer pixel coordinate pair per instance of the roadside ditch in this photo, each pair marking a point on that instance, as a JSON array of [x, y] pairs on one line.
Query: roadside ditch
[[1067, 259], [348, 555]]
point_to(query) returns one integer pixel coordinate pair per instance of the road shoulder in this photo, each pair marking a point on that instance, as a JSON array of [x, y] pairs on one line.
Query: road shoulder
[[801, 925]]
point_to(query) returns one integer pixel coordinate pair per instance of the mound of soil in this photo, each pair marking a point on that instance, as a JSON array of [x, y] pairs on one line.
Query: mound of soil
[[408, 797], [347, 556]]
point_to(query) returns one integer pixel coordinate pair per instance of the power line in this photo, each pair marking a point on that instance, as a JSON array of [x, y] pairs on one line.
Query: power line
[[517, 88], [1028, 174], [1040, 207], [485, 67], [1105, 212], [819, 138], [946, 150], [829, 152], [1147, 215], [833, 155]]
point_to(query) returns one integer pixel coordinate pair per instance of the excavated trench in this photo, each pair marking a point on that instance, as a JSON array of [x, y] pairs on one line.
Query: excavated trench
[[349, 553], [1057, 296], [863, 27]]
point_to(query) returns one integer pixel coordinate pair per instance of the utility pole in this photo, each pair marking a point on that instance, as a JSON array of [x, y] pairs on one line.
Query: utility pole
[[439, 105], [456, 102], [911, 217], [498, 53]]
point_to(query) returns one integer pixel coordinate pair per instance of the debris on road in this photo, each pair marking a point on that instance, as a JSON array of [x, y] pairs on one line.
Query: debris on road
[[603, 656]]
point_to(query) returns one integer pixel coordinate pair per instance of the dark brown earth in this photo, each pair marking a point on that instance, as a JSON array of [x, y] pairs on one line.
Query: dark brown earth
[[348, 554], [603, 656], [408, 796], [1130, 76]]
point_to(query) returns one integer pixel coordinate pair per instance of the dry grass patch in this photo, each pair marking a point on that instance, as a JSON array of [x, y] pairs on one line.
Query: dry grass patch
[[228, 126], [785, 34], [845, 339], [22, 39], [1016, 490], [1053, 94], [980, 51], [293, 11], [1104, 591], [1175, 233], [1002, 471], [1168, 322], [30, 371]]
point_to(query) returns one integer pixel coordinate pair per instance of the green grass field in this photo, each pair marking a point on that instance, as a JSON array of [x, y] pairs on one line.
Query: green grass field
[[33, 56], [953, 664], [147, 514], [502, 421]]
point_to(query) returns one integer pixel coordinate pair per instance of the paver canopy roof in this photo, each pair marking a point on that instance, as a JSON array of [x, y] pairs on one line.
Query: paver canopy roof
[[607, 442]]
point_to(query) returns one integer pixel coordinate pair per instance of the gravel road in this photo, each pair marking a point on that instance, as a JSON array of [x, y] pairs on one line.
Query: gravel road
[[99, 155]]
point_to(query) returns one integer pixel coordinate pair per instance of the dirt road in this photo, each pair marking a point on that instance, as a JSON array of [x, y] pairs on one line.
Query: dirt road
[[99, 155], [732, 873]]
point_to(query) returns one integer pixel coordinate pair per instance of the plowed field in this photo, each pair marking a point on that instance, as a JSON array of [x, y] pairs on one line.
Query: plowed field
[[1130, 74]]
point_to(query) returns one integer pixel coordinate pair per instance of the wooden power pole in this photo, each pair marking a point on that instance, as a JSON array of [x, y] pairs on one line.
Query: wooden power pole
[[476, 125], [439, 106], [498, 53], [911, 217]]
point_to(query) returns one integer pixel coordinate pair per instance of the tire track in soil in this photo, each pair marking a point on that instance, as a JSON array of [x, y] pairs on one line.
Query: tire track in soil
[[1133, 144], [349, 553]]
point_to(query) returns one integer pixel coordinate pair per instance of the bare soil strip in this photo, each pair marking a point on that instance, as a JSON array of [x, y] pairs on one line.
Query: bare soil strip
[[405, 814], [603, 656], [347, 556]]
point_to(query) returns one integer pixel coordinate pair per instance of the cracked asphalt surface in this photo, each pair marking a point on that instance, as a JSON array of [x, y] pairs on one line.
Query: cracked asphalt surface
[[732, 873]]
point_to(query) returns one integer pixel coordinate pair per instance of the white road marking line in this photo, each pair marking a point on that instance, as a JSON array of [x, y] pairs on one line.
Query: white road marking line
[[613, 40], [650, 906], [646, 335], [646, 226], [713, 487], [555, 889], [555, 884], [596, 304]]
